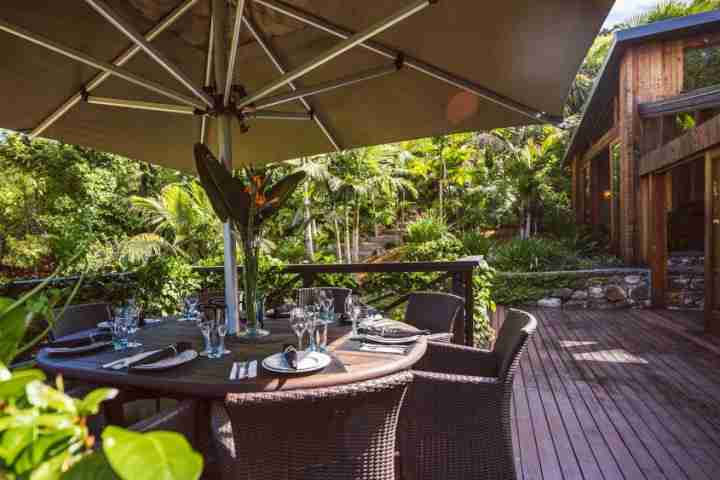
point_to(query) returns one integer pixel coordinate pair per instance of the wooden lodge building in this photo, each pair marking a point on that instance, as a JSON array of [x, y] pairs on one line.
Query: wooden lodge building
[[646, 156]]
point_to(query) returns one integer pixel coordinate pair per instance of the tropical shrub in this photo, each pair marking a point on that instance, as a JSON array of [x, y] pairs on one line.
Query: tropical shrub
[[43, 431], [475, 243], [162, 283], [426, 229], [532, 255]]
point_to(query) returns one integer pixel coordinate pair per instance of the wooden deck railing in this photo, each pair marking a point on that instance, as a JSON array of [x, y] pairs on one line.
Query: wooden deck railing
[[459, 274], [455, 276]]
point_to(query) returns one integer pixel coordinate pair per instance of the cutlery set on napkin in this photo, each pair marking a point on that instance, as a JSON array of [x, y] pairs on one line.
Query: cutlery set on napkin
[[243, 370], [139, 360], [90, 339]]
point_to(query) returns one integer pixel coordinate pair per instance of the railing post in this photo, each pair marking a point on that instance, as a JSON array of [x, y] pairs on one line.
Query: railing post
[[459, 289], [308, 279], [469, 308]]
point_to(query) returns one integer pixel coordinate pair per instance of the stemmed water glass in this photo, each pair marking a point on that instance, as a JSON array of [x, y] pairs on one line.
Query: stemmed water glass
[[190, 308], [298, 323], [352, 308]]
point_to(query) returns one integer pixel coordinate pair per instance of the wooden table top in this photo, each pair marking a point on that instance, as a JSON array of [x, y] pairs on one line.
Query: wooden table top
[[208, 378]]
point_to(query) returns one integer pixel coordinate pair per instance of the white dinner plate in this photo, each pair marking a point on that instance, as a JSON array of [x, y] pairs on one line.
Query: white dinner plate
[[309, 362], [387, 340], [165, 363], [77, 350]]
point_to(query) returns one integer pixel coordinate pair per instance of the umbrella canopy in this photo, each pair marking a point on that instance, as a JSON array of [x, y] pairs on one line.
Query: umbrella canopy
[[419, 69]]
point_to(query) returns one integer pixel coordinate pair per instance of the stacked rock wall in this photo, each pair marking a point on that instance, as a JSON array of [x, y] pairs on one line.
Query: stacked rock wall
[[598, 289], [686, 281]]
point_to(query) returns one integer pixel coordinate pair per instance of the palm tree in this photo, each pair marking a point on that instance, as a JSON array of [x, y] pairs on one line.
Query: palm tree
[[180, 216]]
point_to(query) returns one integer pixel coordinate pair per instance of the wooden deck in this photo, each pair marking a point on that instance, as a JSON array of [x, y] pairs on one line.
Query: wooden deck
[[616, 395]]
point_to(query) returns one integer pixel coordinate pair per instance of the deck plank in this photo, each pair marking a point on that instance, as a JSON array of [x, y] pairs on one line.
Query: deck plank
[[613, 395]]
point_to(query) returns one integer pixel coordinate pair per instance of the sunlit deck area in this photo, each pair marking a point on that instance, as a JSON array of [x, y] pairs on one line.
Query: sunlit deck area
[[618, 394]]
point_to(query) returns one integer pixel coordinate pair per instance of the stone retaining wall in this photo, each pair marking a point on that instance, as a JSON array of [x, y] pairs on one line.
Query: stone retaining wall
[[597, 289], [686, 281]]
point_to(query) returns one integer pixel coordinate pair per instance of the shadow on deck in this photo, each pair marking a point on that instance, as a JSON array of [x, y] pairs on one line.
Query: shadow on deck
[[617, 395]]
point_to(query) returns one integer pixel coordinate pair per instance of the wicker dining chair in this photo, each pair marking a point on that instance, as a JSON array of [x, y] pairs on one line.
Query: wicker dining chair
[[434, 311], [343, 432], [455, 423], [76, 318]]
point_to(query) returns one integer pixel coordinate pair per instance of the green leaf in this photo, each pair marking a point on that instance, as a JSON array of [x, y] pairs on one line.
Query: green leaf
[[278, 195], [5, 374], [92, 467], [13, 323], [15, 386], [151, 456], [51, 469], [227, 194], [44, 396], [44, 448], [90, 405], [14, 441]]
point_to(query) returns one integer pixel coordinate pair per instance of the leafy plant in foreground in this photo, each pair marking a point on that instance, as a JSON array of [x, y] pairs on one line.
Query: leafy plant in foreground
[[44, 433]]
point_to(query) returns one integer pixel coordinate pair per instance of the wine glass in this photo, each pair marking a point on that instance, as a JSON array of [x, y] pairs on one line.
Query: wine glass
[[190, 312], [298, 323], [352, 308]]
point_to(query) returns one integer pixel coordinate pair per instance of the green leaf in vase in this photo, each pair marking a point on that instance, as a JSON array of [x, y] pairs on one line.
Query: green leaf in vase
[[226, 193], [151, 456], [278, 195]]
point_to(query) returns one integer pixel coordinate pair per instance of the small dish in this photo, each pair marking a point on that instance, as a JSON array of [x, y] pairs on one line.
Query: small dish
[[104, 326], [309, 362]]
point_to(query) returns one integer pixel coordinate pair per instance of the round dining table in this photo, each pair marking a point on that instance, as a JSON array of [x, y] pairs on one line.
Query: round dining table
[[206, 378]]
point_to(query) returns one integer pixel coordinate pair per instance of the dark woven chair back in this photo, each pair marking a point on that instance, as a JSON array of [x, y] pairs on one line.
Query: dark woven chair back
[[511, 339], [344, 432], [434, 311], [80, 317], [339, 296], [308, 295], [456, 422]]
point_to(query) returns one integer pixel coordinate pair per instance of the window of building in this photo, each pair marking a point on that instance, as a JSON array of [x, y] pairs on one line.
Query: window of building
[[702, 67]]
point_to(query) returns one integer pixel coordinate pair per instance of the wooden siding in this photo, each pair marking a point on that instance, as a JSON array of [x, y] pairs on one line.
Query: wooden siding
[[690, 144]]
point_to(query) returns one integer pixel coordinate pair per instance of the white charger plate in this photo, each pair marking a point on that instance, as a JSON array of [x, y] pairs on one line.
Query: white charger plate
[[309, 362], [76, 350], [165, 363]]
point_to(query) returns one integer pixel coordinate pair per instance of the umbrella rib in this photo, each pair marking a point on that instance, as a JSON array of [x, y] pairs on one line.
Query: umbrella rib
[[232, 59], [338, 50], [99, 64], [329, 86], [273, 115], [119, 61], [140, 105], [275, 60], [414, 63], [208, 75], [129, 31]]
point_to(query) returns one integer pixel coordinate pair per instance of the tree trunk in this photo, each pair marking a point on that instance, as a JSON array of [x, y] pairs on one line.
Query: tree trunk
[[338, 240], [348, 249], [356, 235], [309, 244]]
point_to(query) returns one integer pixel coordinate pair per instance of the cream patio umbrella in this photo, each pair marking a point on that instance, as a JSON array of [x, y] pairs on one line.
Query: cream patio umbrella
[[268, 80]]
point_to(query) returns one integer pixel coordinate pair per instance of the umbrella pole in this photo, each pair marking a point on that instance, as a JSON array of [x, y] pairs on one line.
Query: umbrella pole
[[224, 135]]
